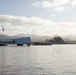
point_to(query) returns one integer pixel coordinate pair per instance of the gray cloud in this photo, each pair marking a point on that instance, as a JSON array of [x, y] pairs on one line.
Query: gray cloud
[[34, 25], [57, 5]]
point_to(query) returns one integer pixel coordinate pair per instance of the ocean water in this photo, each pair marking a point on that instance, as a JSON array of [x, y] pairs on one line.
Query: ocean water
[[38, 60]]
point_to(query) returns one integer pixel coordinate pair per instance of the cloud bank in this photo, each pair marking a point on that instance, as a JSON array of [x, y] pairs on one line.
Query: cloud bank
[[35, 25], [57, 6]]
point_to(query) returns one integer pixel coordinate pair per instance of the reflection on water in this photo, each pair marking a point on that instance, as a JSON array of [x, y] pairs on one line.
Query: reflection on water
[[38, 60]]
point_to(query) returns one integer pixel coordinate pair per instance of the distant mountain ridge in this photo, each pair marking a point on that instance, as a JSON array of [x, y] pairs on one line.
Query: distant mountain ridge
[[33, 37], [36, 38], [5, 37]]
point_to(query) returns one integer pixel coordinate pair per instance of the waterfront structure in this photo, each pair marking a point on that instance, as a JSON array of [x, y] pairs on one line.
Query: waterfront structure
[[17, 41]]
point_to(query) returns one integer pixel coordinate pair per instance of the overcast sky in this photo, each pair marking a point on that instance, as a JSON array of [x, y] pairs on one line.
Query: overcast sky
[[41, 17]]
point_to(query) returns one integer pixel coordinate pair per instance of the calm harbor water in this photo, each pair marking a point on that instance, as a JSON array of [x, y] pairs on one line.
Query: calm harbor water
[[38, 60]]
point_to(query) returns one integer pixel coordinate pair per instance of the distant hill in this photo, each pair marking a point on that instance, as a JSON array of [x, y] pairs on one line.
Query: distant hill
[[36, 38], [5, 37]]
